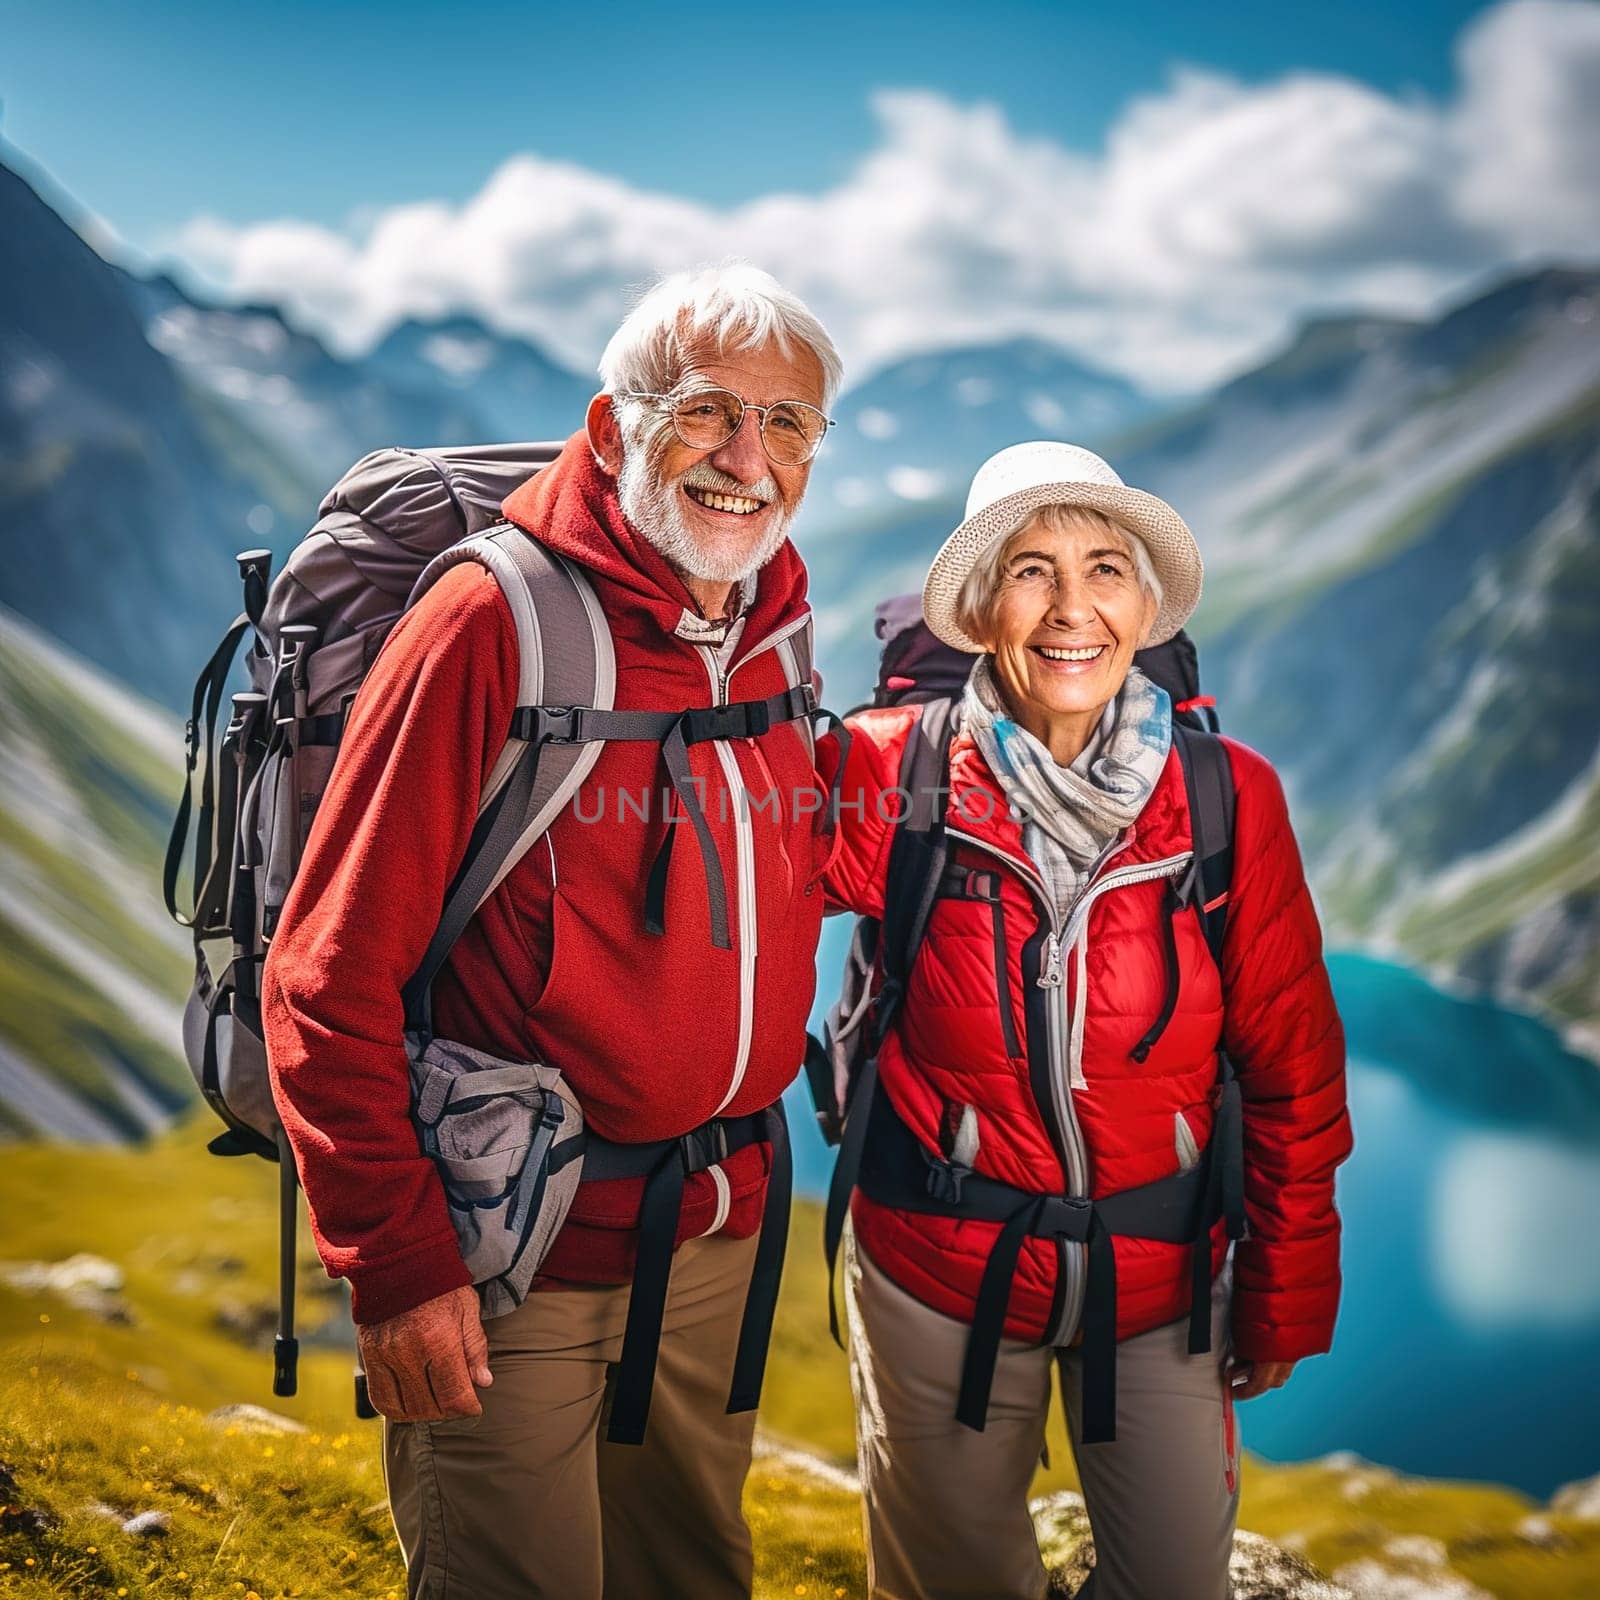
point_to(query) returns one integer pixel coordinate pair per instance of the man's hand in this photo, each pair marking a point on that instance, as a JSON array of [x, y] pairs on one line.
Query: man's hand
[[1250, 1378], [428, 1363]]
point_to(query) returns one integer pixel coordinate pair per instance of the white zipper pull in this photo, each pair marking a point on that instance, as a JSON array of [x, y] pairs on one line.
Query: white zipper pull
[[1050, 972]]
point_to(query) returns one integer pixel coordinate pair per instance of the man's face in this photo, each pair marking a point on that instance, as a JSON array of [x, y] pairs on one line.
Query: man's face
[[721, 514]]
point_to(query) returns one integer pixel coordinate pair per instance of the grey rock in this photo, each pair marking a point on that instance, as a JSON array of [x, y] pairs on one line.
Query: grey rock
[[149, 1525], [1259, 1569], [84, 1281], [1580, 1499], [253, 1419]]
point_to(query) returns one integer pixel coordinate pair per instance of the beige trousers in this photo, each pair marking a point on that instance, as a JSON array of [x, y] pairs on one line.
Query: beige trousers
[[946, 1508], [529, 1501]]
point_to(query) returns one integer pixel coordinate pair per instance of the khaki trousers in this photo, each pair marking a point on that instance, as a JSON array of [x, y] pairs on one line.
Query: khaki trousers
[[529, 1502], [946, 1508]]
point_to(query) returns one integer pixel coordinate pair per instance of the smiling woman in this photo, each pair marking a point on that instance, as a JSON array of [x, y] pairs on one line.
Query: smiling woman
[[1063, 603], [1092, 1122]]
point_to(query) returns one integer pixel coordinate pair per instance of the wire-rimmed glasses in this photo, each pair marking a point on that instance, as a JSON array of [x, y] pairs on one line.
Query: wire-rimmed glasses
[[791, 430]]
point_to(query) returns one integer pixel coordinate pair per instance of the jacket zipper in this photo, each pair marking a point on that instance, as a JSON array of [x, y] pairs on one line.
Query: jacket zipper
[[745, 873], [1063, 1049], [744, 846]]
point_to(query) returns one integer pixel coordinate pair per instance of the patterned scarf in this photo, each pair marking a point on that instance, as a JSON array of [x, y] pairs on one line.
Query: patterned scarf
[[1072, 815]]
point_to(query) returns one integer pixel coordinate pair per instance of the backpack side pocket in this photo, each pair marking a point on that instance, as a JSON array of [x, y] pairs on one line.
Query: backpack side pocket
[[506, 1138]]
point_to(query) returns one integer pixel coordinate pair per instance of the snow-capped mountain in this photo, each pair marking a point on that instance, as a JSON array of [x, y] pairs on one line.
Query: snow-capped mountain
[[1401, 524], [912, 433], [513, 387], [122, 491], [317, 413], [1402, 602]]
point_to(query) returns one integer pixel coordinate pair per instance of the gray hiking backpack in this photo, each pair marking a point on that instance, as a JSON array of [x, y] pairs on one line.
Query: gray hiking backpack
[[505, 1136]]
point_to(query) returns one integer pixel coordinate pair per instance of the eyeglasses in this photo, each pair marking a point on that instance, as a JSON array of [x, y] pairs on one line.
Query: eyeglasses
[[791, 431]]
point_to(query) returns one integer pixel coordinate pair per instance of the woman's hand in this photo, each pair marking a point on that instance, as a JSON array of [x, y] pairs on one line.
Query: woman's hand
[[1250, 1378]]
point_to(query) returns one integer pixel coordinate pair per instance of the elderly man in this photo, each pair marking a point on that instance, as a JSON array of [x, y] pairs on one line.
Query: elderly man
[[600, 954]]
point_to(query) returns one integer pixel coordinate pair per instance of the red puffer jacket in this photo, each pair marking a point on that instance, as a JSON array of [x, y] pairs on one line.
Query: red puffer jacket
[[976, 1029], [655, 1034]]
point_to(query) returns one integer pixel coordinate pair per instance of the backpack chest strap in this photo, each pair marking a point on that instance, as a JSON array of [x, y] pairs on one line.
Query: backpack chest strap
[[741, 719], [674, 731]]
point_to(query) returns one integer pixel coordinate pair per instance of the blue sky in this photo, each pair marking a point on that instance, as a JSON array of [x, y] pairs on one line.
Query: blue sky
[[150, 113], [1165, 190]]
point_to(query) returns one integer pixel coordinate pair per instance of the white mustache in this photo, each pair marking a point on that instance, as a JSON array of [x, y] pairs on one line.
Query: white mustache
[[702, 475]]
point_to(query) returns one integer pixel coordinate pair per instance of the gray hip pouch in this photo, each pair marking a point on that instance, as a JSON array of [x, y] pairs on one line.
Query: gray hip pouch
[[506, 1138]]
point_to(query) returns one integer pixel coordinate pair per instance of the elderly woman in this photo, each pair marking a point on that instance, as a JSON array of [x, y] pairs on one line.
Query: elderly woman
[[1077, 1104]]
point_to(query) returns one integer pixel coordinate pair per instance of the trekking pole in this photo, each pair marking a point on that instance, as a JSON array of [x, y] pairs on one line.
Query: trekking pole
[[285, 1347], [255, 567]]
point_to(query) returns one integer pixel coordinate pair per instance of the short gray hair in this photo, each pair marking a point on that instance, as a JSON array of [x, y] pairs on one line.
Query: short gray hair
[[982, 585], [733, 305]]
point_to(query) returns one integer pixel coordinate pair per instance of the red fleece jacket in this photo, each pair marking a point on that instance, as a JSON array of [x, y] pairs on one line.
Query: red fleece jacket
[[655, 1034]]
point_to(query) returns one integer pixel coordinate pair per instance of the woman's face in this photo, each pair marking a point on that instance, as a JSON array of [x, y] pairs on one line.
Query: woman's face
[[1069, 614]]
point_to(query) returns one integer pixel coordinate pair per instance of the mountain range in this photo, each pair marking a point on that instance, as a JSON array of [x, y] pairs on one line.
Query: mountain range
[[1403, 587]]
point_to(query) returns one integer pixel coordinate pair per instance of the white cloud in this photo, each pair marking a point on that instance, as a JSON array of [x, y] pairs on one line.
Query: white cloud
[[1528, 125], [914, 483], [1217, 214]]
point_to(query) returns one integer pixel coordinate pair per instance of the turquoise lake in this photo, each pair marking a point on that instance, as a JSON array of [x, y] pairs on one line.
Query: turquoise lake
[[1468, 1343]]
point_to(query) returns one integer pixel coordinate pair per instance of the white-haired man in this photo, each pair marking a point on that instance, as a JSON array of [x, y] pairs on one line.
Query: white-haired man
[[629, 966]]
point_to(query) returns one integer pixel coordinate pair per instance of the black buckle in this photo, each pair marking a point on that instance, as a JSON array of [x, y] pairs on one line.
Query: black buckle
[[704, 1146], [945, 1179], [191, 740], [743, 719], [1064, 1216], [546, 724]]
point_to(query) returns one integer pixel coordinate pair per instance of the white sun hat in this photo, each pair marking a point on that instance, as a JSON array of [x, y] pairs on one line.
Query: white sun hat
[[1011, 485]]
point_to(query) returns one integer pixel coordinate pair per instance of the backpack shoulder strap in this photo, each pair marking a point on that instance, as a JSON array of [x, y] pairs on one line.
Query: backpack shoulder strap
[[918, 852], [565, 658], [917, 859], [1208, 778]]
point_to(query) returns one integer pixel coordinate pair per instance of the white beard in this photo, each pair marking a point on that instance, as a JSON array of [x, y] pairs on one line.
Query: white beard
[[653, 507]]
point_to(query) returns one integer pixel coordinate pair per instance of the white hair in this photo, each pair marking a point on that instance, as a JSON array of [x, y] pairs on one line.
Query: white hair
[[733, 306], [981, 587]]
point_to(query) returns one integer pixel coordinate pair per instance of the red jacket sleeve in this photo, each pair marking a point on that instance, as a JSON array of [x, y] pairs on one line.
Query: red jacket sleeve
[[858, 868], [422, 735], [1284, 1036]]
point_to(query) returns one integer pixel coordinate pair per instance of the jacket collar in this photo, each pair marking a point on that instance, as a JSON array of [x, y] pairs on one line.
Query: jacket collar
[[978, 808]]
